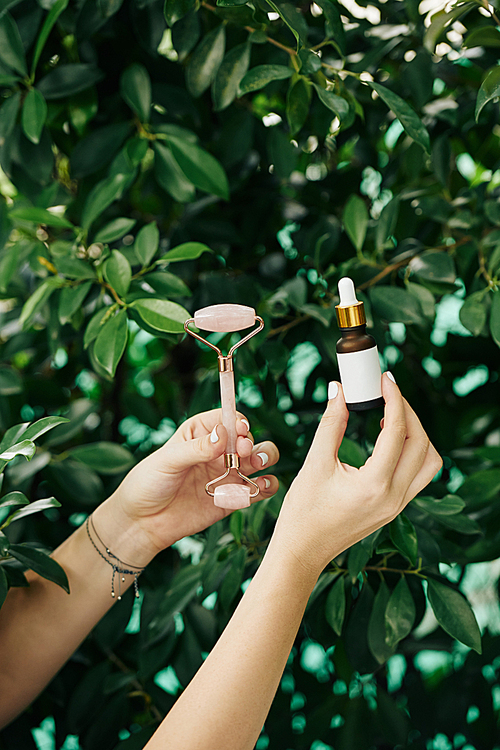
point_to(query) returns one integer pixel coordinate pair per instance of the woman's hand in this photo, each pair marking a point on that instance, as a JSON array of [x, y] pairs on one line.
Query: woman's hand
[[163, 498], [331, 506]]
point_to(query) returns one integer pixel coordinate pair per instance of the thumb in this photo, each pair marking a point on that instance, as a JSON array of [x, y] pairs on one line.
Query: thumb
[[183, 455], [331, 429]]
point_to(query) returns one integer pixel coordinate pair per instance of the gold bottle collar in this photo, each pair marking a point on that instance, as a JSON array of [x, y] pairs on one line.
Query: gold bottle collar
[[350, 316]]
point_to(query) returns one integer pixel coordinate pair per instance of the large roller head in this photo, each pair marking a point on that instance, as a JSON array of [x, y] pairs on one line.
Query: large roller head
[[224, 318], [232, 496]]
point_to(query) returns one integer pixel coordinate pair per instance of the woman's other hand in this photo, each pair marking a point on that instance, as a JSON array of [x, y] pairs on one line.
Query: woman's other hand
[[330, 505]]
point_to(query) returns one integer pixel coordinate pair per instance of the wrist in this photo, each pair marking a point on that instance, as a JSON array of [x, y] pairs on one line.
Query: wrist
[[122, 535], [282, 554]]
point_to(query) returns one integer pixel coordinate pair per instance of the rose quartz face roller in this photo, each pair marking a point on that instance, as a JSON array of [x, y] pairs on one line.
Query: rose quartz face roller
[[225, 319]]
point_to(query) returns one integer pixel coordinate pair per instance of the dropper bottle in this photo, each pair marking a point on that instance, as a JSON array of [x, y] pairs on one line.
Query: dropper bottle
[[357, 353]]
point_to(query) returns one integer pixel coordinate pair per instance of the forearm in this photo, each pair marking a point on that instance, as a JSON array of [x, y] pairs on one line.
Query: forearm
[[232, 692], [41, 626]]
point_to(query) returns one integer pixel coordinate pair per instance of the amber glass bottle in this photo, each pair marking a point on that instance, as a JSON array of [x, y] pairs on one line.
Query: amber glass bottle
[[357, 353]]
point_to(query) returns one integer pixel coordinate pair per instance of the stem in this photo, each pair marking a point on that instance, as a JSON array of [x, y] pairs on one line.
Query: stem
[[287, 326], [289, 50], [140, 690], [115, 295]]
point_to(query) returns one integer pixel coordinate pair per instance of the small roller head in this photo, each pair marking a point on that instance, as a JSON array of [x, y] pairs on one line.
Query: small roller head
[[232, 496], [224, 318]]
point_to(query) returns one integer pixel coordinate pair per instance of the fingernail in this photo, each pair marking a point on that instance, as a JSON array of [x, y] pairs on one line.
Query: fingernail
[[333, 389], [391, 376], [245, 421], [213, 435], [267, 483], [263, 457]]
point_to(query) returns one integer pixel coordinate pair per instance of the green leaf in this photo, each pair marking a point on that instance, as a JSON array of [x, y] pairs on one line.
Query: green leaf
[[38, 299], [41, 216], [454, 614], [74, 268], [185, 34], [200, 167], [147, 242], [352, 453], [386, 224], [95, 325], [8, 114], [111, 341], [335, 103], [233, 579], [425, 298], [4, 545], [71, 300], [473, 313], [68, 80], [480, 488], [181, 591], [395, 304], [4, 586], [11, 46], [34, 115], [35, 507], [439, 23], [161, 314], [13, 498], [41, 426], [236, 525], [335, 606], [135, 88], [293, 18], [101, 196], [186, 251], [171, 177], [446, 506], [115, 229], [355, 220], [104, 457], [377, 633], [433, 265], [25, 448], [297, 105], [400, 614], [97, 149], [228, 77], [118, 273], [205, 61], [10, 382], [54, 13], [495, 317], [404, 537], [483, 36], [405, 114], [177, 9], [167, 284], [261, 75], [41, 563], [358, 557]]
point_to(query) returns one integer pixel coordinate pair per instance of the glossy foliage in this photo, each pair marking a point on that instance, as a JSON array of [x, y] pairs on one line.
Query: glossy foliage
[[159, 157]]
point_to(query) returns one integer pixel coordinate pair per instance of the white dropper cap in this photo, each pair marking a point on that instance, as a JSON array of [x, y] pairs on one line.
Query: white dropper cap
[[347, 292], [350, 312]]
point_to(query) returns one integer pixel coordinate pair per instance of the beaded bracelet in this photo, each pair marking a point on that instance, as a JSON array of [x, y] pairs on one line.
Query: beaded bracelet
[[115, 562]]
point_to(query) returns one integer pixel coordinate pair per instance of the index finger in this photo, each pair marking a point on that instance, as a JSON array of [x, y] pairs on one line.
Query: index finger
[[390, 442]]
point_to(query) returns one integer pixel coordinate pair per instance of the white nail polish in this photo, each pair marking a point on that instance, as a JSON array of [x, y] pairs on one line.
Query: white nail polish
[[391, 376], [213, 435], [333, 389], [263, 457], [267, 483], [245, 421]]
